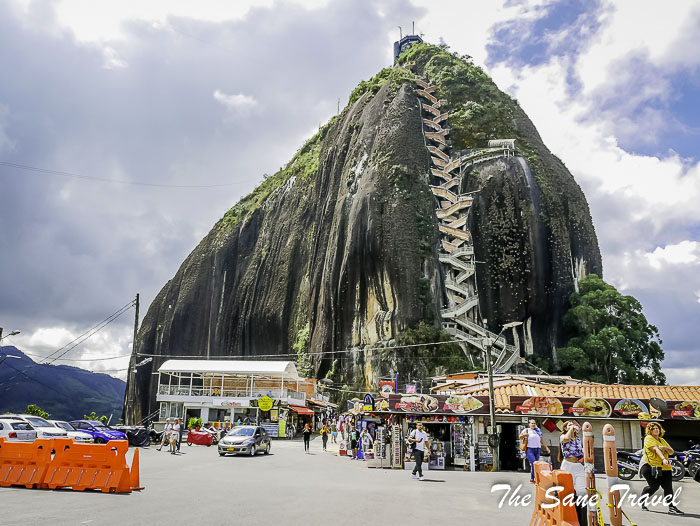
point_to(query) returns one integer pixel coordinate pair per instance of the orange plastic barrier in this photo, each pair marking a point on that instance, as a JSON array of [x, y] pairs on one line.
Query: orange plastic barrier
[[560, 515], [88, 466], [78, 466], [24, 463]]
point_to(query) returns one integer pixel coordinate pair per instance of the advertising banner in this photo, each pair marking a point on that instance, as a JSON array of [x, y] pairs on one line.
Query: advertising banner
[[631, 408], [438, 404]]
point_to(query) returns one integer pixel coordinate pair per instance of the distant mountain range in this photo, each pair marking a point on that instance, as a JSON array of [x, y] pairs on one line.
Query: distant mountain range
[[65, 392]]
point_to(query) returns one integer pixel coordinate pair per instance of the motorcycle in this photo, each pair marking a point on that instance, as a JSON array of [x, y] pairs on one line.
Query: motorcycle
[[628, 464], [690, 460]]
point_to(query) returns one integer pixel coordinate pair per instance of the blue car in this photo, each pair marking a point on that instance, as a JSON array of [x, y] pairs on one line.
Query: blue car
[[100, 432]]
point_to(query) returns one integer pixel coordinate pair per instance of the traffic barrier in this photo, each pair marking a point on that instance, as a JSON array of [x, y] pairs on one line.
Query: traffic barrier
[[610, 456], [134, 478], [560, 515], [87, 466], [24, 463], [100, 467]]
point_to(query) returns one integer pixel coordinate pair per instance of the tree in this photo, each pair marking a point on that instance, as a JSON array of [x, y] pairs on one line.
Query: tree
[[612, 341], [93, 416], [36, 411]]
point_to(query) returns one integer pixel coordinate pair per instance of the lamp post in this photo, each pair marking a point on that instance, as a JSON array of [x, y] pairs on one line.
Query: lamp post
[[494, 438], [13, 333]]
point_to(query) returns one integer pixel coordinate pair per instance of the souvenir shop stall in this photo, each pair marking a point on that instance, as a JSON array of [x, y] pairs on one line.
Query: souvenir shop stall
[[448, 420]]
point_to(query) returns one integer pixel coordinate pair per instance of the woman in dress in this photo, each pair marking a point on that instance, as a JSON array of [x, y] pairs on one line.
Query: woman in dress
[[533, 435], [174, 436]]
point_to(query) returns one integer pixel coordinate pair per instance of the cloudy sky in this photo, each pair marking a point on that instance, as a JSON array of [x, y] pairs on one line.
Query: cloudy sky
[[127, 128]]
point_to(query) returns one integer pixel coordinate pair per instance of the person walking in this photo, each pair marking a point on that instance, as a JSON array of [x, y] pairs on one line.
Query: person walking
[[656, 469], [418, 439], [180, 432], [307, 437], [570, 455], [324, 435], [532, 436], [334, 432], [174, 434], [352, 432], [166, 434]]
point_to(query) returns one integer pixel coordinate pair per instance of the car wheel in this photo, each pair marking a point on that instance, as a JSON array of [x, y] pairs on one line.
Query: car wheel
[[267, 449], [252, 450], [100, 440]]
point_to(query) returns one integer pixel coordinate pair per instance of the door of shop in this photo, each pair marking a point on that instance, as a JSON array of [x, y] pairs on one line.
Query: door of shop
[[508, 447]]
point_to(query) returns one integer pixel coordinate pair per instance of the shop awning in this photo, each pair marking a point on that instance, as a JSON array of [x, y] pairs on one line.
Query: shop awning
[[301, 410]]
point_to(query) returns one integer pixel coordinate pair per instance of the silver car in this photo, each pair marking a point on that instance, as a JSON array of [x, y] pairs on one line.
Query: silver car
[[78, 436], [246, 440], [16, 430], [43, 428]]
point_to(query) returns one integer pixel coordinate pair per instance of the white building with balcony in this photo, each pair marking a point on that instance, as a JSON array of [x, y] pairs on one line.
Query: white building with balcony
[[221, 391]]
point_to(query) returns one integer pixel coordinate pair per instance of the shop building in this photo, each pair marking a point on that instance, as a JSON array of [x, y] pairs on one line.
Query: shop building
[[456, 417], [224, 391]]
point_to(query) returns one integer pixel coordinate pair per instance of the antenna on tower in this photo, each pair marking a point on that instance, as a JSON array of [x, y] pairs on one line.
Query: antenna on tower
[[400, 33], [413, 32]]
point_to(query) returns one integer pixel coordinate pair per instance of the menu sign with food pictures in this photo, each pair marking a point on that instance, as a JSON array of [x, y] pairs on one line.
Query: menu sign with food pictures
[[438, 404], [604, 407]]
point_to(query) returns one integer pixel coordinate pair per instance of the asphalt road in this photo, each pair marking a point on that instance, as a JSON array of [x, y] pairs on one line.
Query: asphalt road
[[290, 487]]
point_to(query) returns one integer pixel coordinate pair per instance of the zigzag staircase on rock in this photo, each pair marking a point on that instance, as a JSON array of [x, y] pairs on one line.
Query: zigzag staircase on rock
[[460, 317]]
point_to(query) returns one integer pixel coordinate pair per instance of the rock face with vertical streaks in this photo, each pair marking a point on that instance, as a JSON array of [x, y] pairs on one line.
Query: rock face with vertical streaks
[[341, 249]]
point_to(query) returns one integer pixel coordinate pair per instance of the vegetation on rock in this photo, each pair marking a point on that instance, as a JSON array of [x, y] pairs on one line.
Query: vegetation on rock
[[301, 348], [395, 76]]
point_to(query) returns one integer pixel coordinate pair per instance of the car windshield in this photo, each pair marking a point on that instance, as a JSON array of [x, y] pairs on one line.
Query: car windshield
[[98, 424], [242, 431], [65, 425], [38, 421]]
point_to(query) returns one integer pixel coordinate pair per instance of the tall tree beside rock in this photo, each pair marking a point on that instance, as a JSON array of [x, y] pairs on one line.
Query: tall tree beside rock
[[612, 340]]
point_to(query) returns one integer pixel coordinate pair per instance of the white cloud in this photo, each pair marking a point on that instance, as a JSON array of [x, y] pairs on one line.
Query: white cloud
[[6, 143], [235, 101], [683, 253], [682, 375]]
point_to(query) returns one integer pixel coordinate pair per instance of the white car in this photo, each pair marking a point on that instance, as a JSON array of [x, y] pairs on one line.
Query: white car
[[78, 436], [43, 428], [16, 430]]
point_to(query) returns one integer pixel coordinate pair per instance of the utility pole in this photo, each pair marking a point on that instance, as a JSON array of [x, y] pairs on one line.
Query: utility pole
[[129, 396]]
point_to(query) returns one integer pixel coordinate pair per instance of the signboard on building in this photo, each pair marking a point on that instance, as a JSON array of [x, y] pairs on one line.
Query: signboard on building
[[592, 407], [438, 404], [235, 403], [265, 403], [387, 386], [368, 404]]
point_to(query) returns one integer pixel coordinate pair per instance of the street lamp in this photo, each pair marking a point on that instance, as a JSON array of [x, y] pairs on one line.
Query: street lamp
[[13, 333], [494, 438]]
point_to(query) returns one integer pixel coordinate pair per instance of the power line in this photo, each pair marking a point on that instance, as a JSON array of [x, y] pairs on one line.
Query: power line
[[105, 180], [89, 333], [80, 359], [31, 378]]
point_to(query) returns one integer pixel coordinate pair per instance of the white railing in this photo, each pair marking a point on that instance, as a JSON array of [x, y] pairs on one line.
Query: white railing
[[185, 391]]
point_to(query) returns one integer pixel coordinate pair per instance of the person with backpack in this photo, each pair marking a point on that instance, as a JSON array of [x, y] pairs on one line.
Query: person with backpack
[[418, 439], [353, 441]]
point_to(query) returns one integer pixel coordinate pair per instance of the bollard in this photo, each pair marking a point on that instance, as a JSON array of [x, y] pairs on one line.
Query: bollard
[[588, 464], [610, 455]]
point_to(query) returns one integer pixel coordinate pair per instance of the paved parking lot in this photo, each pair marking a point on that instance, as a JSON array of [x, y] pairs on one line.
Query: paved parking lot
[[289, 487]]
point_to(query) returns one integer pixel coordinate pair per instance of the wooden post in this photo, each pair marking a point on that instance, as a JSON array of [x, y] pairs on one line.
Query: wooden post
[[588, 464], [610, 454]]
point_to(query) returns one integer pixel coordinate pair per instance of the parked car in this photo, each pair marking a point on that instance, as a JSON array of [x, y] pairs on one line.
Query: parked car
[[44, 429], [78, 436], [247, 440], [99, 432], [17, 430]]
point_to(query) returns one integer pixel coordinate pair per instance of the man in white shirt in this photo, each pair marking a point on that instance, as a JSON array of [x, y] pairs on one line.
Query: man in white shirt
[[166, 433], [418, 438]]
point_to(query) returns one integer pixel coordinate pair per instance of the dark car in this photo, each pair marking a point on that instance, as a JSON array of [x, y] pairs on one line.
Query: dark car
[[247, 440], [100, 432]]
